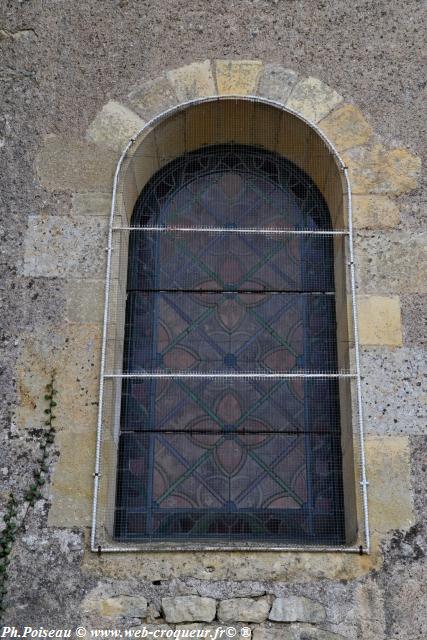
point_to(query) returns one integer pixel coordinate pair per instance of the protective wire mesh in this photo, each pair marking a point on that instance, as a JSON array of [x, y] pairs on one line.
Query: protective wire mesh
[[240, 332], [225, 261], [228, 392], [261, 485]]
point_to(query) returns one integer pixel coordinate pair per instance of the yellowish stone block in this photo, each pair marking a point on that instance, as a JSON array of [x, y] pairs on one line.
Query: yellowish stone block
[[236, 565], [346, 127], [370, 600], [114, 126], [380, 170], [65, 246], [392, 263], [313, 99], [73, 350], [237, 77], [67, 164], [374, 212], [276, 82], [153, 97], [85, 300], [72, 484], [379, 320], [91, 204], [389, 475], [99, 603], [192, 81]]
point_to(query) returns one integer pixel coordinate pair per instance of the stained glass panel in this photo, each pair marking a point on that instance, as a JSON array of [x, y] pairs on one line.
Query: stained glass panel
[[230, 458]]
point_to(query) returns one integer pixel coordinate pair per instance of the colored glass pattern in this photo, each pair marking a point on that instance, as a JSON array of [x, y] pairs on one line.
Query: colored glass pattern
[[230, 458]]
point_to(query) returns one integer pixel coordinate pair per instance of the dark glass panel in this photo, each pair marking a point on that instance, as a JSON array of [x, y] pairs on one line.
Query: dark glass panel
[[230, 331], [230, 458], [230, 485]]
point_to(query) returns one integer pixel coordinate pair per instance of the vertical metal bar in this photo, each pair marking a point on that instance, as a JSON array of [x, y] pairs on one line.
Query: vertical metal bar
[[363, 482], [340, 163], [96, 474]]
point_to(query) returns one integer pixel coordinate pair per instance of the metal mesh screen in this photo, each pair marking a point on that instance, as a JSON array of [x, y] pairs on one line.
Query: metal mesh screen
[[239, 331], [227, 391], [230, 261], [218, 283], [261, 485]]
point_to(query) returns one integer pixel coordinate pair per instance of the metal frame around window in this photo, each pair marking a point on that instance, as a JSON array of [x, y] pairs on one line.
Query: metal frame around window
[[128, 547]]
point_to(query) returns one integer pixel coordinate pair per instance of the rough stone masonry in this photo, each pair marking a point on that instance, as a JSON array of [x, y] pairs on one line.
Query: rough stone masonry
[[70, 75]]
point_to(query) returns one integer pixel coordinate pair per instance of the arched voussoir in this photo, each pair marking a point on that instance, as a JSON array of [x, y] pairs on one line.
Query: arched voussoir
[[375, 170]]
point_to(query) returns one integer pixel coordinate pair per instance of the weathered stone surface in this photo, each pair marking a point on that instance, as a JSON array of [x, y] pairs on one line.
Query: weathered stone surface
[[391, 263], [193, 81], [114, 607], [276, 82], [370, 601], [237, 566], [215, 630], [237, 77], [189, 609], [294, 632], [374, 212], [412, 212], [153, 97], [114, 126], [405, 598], [70, 492], [153, 613], [59, 246], [78, 166], [84, 301], [379, 170], [394, 391], [314, 633], [79, 56], [346, 127], [379, 320], [224, 590], [297, 609], [414, 312], [74, 351], [390, 494], [274, 633], [151, 628], [336, 596], [244, 610], [91, 204], [40, 301], [313, 99]]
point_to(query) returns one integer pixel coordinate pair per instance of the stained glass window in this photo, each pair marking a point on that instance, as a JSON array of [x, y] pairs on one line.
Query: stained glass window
[[230, 303]]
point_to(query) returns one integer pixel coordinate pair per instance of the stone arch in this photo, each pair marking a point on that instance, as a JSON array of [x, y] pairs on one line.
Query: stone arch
[[247, 120], [241, 120], [86, 169]]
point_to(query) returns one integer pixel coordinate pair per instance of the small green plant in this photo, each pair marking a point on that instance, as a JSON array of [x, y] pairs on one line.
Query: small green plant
[[31, 494], [7, 538]]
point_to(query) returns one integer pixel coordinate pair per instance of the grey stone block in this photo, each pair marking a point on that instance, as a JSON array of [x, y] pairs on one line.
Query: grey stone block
[[297, 609], [189, 609]]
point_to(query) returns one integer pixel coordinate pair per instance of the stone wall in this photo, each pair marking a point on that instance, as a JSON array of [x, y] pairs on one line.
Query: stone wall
[[78, 81]]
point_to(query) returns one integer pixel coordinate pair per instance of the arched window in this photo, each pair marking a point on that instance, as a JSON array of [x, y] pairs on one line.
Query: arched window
[[230, 410]]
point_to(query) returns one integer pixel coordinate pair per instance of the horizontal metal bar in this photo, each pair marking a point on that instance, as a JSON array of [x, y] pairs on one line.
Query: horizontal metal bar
[[174, 547], [279, 292], [238, 432], [184, 374], [296, 232], [177, 547]]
